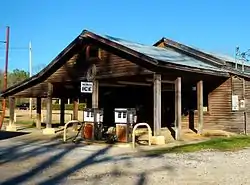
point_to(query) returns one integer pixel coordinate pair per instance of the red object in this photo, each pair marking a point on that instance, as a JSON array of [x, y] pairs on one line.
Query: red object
[[122, 132], [5, 75], [88, 131]]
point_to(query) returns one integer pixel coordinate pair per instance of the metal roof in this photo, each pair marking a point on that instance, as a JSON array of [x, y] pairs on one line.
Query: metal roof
[[221, 56], [164, 54], [149, 54]]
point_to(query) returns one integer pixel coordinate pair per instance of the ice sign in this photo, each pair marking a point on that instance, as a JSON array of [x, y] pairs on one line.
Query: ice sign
[[86, 87]]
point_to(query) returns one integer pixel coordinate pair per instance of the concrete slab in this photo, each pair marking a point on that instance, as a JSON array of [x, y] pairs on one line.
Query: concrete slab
[[158, 140], [12, 128], [49, 131]]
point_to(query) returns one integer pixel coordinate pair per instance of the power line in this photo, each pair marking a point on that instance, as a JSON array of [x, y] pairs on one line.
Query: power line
[[16, 48]]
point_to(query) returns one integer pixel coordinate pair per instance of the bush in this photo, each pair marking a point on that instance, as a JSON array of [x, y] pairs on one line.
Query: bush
[[81, 106]]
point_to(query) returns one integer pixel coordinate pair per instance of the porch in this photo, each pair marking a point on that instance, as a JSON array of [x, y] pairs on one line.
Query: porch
[[123, 77]]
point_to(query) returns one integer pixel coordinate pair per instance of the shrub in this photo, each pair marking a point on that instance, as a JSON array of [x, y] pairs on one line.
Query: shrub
[[81, 106]]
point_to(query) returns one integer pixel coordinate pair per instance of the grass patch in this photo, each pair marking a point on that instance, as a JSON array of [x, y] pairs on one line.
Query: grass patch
[[25, 122], [233, 143]]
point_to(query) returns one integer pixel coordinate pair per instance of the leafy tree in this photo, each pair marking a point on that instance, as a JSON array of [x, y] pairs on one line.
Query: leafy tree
[[14, 77], [17, 76]]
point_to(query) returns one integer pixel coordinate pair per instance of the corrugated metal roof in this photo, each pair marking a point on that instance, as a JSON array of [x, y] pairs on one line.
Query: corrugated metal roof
[[164, 54], [222, 56]]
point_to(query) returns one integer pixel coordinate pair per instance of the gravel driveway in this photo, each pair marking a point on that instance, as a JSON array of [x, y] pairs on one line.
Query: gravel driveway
[[31, 161]]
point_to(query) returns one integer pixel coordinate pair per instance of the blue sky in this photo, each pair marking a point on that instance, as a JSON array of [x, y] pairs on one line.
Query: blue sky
[[213, 25]]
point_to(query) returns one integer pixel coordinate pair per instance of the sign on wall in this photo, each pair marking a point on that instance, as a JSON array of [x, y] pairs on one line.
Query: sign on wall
[[242, 104], [86, 87], [235, 102]]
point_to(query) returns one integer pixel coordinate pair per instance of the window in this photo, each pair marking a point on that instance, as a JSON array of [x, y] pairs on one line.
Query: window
[[119, 114], [124, 114], [93, 52]]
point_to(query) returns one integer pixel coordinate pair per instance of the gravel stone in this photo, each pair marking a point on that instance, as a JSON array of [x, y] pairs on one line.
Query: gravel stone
[[26, 162]]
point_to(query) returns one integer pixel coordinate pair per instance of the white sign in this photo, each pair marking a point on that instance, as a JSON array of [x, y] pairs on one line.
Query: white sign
[[242, 104], [86, 87], [235, 102], [88, 116], [120, 115]]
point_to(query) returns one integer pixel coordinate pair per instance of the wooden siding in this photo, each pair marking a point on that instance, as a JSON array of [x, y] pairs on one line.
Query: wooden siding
[[247, 104], [108, 65], [220, 115], [113, 65]]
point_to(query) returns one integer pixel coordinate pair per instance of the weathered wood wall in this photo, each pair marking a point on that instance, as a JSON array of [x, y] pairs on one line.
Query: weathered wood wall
[[220, 115], [107, 65], [247, 104], [112, 65]]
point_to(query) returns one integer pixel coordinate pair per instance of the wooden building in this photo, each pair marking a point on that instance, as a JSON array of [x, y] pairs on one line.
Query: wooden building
[[170, 84], [227, 105]]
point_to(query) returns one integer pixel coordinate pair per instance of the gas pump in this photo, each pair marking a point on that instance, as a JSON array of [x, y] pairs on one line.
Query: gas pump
[[125, 118], [93, 118]]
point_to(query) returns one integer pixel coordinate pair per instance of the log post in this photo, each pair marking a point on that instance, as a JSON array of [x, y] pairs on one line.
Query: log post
[[95, 94], [11, 126], [178, 108], [200, 106], [12, 110], [75, 112], [157, 104], [49, 106], [38, 112], [62, 111]]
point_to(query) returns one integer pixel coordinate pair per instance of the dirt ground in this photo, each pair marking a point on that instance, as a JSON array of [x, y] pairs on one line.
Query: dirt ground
[[34, 158], [24, 115], [37, 159]]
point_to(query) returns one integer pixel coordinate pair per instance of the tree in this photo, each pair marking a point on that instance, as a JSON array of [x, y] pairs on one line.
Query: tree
[[17, 76]]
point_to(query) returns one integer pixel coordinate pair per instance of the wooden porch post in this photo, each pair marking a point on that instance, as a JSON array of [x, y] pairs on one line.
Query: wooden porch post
[[49, 106], [178, 108], [62, 111], [95, 94], [38, 112], [11, 126], [75, 112], [157, 104], [200, 106]]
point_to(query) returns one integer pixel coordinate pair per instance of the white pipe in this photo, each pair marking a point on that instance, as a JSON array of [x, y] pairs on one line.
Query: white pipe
[[149, 133], [14, 117], [65, 128], [30, 69]]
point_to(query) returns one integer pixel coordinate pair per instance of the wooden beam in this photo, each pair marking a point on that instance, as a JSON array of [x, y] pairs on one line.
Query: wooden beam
[[38, 112], [75, 112], [75, 109], [49, 106], [12, 110], [62, 111], [157, 104], [200, 106], [95, 94], [178, 108]]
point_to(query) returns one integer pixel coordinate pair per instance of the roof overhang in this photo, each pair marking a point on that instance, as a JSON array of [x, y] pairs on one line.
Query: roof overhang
[[72, 48]]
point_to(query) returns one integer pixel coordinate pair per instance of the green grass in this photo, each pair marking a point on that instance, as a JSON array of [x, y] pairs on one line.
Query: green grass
[[219, 144], [25, 122]]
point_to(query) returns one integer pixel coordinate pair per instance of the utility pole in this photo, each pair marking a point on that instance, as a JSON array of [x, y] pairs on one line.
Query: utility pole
[[5, 74], [30, 74]]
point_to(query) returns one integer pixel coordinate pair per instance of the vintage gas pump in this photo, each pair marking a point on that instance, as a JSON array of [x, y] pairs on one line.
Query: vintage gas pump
[[93, 118], [125, 118]]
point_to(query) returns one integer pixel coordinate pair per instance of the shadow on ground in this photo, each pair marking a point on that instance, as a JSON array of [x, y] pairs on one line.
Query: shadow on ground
[[8, 134], [54, 152]]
